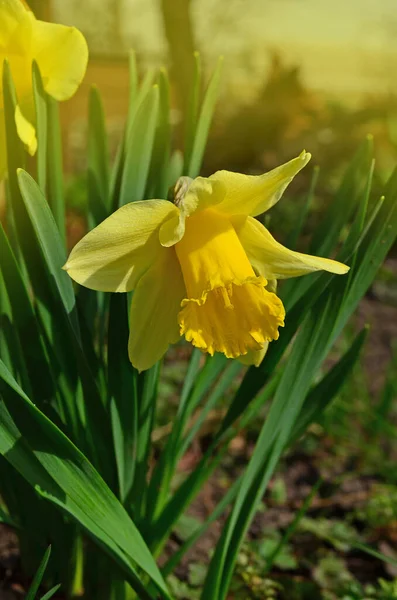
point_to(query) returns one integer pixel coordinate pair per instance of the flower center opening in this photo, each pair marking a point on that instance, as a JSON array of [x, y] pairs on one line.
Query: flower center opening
[[228, 309]]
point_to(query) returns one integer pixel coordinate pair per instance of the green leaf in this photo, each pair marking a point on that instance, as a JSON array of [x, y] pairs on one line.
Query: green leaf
[[204, 122], [61, 474], [56, 197], [51, 592], [192, 113], [31, 595], [49, 241], [138, 94], [123, 394], [133, 72], [98, 160], [138, 150], [157, 186], [41, 126], [175, 168], [147, 394]]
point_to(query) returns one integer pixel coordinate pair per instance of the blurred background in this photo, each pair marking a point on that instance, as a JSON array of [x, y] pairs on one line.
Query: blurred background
[[298, 73]]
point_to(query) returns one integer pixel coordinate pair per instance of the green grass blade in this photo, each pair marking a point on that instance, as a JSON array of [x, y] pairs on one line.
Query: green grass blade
[[98, 160], [123, 394], [138, 94], [139, 145], [147, 394], [31, 595], [41, 126], [204, 122], [50, 243], [117, 176], [51, 592], [192, 114], [175, 169], [157, 186], [372, 552], [292, 527], [133, 81], [56, 197]]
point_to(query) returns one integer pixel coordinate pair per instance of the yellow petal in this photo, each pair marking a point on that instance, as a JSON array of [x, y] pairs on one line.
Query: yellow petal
[[253, 195], [274, 261], [11, 12], [254, 357], [26, 131], [154, 311], [61, 53], [113, 256]]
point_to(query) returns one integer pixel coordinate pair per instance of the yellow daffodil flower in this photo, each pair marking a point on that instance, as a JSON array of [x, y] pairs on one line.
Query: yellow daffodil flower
[[202, 267], [60, 52]]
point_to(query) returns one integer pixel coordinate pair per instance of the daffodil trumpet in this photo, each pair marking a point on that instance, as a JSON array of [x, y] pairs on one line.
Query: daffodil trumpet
[[60, 52], [201, 267]]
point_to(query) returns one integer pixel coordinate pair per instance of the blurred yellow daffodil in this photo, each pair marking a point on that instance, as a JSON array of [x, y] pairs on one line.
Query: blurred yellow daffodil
[[60, 52], [201, 267]]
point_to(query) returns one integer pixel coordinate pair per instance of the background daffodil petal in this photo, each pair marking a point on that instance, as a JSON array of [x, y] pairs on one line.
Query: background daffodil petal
[[255, 194], [62, 54], [113, 256], [11, 13], [154, 311], [273, 260], [26, 131], [254, 357]]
